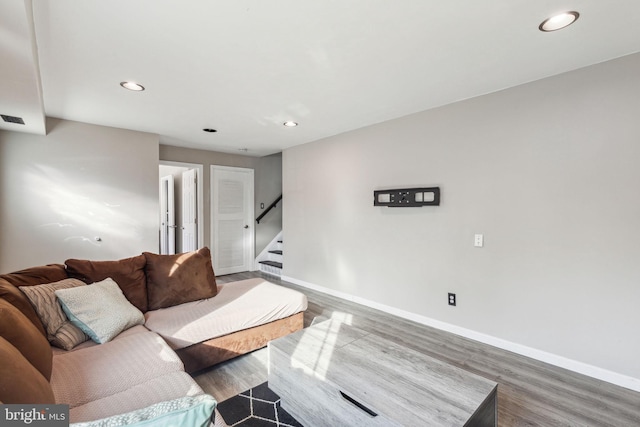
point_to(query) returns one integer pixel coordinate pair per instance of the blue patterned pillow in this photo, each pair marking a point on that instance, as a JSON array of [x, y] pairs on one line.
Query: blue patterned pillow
[[101, 310], [194, 411]]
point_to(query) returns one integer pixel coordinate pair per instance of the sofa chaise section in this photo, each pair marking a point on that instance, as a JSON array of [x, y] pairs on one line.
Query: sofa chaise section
[[243, 316]]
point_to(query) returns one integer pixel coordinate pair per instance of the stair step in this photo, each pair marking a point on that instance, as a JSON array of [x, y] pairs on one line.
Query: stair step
[[277, 252], [272, 263]]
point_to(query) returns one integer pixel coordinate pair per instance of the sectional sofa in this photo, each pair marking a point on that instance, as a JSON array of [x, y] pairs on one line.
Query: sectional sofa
[[116, 340]]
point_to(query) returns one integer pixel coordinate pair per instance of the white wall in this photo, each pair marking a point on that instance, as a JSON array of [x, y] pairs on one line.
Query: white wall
[[548, 172], [60, 191]]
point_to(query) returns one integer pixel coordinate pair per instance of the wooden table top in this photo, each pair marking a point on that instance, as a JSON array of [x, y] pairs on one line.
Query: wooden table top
[[389, 379]]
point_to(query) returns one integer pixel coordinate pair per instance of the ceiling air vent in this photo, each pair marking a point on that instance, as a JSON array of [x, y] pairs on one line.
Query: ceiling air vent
[[12, 119]]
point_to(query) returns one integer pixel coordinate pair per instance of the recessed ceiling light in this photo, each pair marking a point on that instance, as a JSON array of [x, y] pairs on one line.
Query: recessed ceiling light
[[290, 124], [132, 86], [559, 21], [209, 130]]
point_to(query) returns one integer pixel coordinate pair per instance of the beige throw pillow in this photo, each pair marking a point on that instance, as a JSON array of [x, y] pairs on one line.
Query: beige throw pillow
[[60, 331]]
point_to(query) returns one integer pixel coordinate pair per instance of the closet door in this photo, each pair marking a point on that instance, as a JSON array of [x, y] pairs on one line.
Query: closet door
[[232, 231]]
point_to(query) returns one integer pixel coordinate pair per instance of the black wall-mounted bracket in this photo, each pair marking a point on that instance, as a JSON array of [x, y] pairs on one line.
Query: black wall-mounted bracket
[[407, 197]]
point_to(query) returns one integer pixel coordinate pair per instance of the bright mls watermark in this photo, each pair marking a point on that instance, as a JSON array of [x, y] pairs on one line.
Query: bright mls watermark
[[34, 415]]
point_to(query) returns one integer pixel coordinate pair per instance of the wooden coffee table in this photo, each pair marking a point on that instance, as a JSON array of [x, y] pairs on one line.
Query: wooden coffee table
[[333, 374]]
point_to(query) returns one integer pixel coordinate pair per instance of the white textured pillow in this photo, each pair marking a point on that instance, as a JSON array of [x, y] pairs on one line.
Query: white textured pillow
[[194, 411], [101, 310]]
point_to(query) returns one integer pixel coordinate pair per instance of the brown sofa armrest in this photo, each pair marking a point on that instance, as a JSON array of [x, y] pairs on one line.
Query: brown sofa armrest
[[10, 282]]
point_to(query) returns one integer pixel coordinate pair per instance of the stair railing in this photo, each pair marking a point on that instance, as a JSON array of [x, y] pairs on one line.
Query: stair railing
[[271, 206]]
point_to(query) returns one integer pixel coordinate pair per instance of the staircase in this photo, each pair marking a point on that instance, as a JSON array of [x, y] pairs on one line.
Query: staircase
[[272, 264]]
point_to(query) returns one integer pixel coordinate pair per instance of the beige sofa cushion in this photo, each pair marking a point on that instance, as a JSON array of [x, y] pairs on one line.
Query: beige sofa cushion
[[166, 387], [238, 306], [96, 372], [90, 343]]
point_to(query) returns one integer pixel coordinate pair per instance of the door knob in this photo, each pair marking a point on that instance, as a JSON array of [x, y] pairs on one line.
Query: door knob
[[246, 226]]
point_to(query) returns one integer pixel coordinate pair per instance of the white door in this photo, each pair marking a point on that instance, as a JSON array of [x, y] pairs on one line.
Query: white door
[[232, 231], [189, 211], [167, 216]]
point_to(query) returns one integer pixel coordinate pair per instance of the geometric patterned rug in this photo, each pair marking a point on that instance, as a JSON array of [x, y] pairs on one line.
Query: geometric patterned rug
[[256, 407]]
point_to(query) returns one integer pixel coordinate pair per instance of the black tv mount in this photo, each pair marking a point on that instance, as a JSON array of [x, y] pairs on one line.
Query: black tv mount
[[407, 197]]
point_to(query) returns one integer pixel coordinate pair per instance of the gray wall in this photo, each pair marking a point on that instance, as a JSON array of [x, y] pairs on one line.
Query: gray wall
[[268, 186], [547, 171], [78, 182], [267, 176]]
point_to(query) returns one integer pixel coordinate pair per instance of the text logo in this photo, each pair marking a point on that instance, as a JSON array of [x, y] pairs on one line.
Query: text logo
[[34, 415]]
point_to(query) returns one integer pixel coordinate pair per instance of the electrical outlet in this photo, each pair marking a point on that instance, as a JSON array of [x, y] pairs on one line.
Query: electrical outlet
[[452, 299]]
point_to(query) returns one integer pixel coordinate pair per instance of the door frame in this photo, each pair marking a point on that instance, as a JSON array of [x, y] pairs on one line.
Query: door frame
[[189, 180], [199, 192], [167, 216], [250, 262]]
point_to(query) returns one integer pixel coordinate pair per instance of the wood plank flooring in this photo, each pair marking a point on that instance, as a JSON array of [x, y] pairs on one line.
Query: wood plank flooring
[[530, 392]]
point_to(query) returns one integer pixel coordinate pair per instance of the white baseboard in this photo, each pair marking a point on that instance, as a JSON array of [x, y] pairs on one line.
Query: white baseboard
[[543, 356]]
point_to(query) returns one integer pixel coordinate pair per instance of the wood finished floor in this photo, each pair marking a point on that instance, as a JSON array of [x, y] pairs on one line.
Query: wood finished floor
[[530, 392]]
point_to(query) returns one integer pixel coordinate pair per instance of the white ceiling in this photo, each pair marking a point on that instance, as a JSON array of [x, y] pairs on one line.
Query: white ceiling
[[244, 67]]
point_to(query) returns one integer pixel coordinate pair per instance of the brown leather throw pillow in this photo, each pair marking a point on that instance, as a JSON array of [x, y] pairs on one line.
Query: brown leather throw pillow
[[128, 273], [180, 278]]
